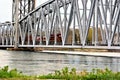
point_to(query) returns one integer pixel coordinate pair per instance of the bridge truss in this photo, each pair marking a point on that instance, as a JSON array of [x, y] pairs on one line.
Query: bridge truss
[[67, 23]]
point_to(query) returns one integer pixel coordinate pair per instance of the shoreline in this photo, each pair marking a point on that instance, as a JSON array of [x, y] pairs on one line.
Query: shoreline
[[81, 52], [96, 54]]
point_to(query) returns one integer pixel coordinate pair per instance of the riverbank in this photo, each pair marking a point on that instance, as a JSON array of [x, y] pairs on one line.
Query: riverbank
[[63, 49], [99, 54], [73, 51], [84, 52]]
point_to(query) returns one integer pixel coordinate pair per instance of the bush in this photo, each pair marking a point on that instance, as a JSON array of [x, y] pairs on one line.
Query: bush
[[65, 74], [5, 73], [95, 74]]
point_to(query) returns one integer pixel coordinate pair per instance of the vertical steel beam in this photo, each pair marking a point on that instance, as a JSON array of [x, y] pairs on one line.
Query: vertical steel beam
[[65, 21], [16, 22], [84, 14], [93, 29], [73, 30], [110, 21], [96, 23]]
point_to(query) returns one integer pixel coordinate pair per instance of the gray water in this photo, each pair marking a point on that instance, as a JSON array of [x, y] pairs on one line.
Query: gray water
[[35, 63]]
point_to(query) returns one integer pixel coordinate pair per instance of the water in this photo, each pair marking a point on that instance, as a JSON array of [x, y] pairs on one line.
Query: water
[[35, 63]]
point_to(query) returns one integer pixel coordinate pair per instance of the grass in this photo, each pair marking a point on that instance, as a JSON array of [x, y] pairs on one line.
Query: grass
[[6, 74], [65, 74], [95, 74]]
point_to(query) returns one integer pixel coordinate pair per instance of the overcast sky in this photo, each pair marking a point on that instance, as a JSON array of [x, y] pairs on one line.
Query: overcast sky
[[6, 9]]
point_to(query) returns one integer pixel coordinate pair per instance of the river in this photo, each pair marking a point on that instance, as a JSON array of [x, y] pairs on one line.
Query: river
[[35, 63]]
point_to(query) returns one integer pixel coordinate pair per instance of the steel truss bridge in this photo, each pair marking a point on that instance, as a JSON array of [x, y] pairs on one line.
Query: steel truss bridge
[[64, 24]]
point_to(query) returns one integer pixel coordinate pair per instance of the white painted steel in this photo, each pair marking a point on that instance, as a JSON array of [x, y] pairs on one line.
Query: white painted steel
[[65, 17]]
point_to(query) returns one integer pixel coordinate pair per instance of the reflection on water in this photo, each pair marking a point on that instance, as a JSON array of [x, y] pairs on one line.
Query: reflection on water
[[41, 63]]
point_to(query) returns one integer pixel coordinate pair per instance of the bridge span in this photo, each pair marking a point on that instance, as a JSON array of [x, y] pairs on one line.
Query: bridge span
[[65, 24]]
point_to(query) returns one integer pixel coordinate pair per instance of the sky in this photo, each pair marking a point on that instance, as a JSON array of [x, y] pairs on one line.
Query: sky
[[6, 9]]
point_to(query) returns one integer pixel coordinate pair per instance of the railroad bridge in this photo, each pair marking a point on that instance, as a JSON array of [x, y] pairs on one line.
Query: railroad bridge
[[63, 23]]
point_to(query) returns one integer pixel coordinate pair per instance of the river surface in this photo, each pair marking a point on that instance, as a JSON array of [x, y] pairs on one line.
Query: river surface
[[35, 63]]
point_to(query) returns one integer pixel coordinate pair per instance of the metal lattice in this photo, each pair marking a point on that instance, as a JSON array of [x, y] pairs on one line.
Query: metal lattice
[[22, 8], [69, 23]]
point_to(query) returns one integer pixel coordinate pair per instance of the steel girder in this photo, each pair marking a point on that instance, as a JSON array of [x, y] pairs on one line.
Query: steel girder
[[67, 16], [73, 20], [20, 8], [7, 34], [24, 7]]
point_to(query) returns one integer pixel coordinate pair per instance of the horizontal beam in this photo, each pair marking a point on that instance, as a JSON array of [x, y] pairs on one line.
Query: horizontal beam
[[70, 46]]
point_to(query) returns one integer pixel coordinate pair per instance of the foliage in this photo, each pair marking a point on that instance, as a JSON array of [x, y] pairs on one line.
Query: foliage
[[90, 34], [6, 73], [65, 74], [95, 74]]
